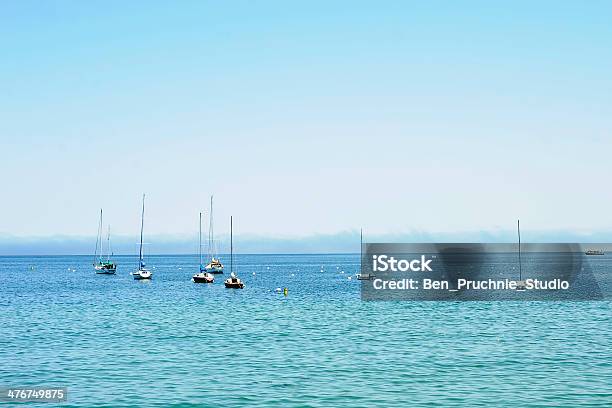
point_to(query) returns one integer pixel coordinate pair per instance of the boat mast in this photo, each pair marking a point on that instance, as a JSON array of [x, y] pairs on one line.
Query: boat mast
[[518, 225], [99, 240], [108, 245], [211, 251], [141, 228], [361, 251], [200, 247], [231, 244]]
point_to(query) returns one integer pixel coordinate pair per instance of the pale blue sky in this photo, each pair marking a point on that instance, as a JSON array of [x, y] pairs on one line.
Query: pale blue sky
[[305, 117]]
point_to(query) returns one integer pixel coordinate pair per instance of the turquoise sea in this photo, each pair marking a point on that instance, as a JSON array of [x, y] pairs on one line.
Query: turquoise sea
[[116, 342]]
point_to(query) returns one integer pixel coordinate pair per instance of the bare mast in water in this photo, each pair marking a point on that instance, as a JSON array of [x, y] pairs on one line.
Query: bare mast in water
[[361, 275], [520, 285]]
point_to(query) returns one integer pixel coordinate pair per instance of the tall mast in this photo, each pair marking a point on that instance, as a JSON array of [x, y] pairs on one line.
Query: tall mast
[[360, 249], [99, 239], [231, 244], [141, 228], [518, 225], [108, 246], [211, 250], [200, 247]]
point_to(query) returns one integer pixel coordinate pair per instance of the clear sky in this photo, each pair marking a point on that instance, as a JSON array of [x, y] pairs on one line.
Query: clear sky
[[305, 118]]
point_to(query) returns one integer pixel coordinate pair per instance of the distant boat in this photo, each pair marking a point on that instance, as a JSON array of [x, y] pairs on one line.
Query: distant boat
[[142, 272], [233, 282], [520, 285], [594, 252], [103, 266], [203, 276], [215, 265], [361, 275]]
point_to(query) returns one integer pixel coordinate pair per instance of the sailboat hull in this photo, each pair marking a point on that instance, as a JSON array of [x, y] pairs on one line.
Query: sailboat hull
[[198, 279], [106, 271], [234, 283], [203, 278], [142, 274]]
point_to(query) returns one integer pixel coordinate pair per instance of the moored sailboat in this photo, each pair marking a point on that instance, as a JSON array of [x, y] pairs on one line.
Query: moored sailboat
[[233, 282], [103, 266], [203, 276], [215, 265], [142, 272]]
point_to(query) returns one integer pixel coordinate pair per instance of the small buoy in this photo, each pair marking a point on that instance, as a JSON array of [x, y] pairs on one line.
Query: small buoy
[[268, 267], [286, 291], [293, 274], [253, 273], [278, 290], [341, 271], [349, 278], [337, 267]]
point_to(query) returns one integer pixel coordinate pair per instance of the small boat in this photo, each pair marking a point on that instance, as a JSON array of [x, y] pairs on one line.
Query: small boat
[[203, 276], [520, 284], [215, 265], [233, 282], [594, 252], [142, 272], [103, 266], [361, 275]]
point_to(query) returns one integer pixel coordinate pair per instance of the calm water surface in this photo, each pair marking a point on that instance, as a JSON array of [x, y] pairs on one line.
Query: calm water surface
[[116, 342]]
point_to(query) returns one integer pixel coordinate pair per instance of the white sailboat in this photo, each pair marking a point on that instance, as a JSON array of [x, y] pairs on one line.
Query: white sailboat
[[233, 282], [203, 276], [142, 272], [100, 265], [215, 265], [520, 285]]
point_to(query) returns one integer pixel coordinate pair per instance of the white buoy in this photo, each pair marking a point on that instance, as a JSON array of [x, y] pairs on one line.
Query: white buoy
[[253, 273], [349, 278]]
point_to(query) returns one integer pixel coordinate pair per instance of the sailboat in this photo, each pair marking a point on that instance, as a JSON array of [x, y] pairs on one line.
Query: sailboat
[[215, 265], [203, 276], [102, 266], [520, 285], [233, 282], [361, 275], [142, 272]]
